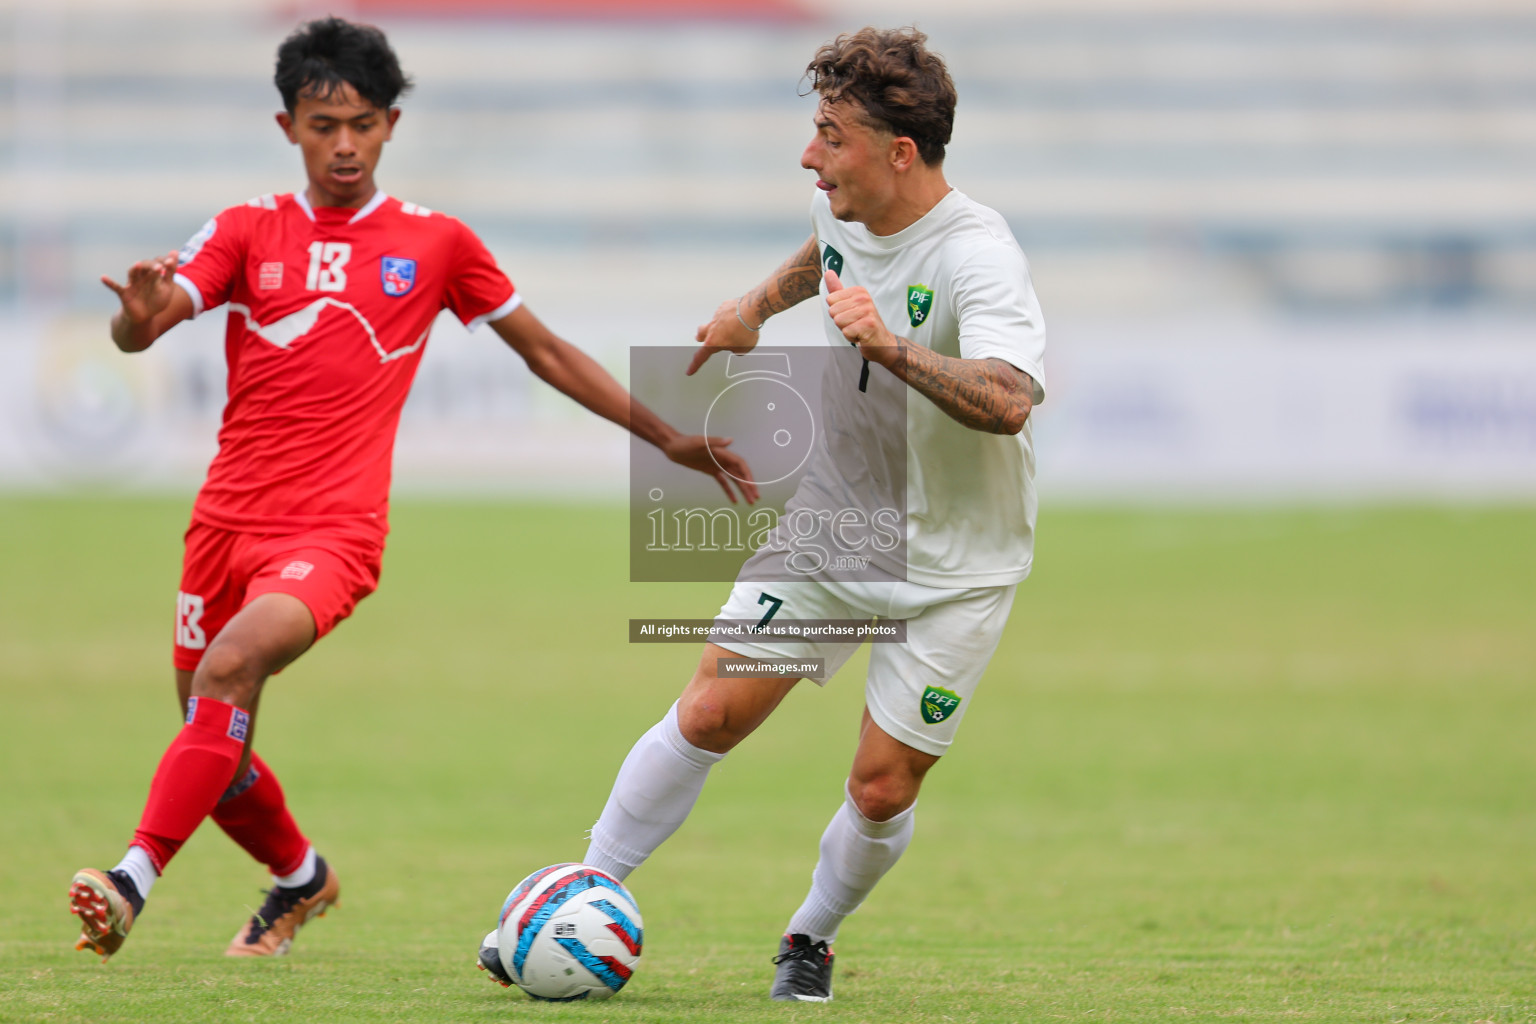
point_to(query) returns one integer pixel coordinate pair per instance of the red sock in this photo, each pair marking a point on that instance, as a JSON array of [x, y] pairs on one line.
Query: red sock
[[194, 770], [253, 813]]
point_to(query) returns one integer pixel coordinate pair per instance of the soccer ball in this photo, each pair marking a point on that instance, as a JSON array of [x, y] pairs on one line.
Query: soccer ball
[[569, 931]]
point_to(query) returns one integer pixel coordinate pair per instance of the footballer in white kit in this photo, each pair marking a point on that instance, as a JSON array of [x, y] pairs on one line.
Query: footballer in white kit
[[955, 282], [935, 293]]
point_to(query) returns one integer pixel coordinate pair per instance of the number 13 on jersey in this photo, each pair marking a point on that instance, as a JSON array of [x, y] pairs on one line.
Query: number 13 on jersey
[[327, 261]]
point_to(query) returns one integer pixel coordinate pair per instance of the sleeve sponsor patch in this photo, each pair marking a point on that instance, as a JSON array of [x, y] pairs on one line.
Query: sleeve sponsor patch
[[196, 242]]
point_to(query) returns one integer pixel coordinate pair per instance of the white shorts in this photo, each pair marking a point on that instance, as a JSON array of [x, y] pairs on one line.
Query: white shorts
[[917, 691]]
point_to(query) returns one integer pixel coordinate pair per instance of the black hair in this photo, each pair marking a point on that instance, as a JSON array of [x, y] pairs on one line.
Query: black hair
[[323, 55]]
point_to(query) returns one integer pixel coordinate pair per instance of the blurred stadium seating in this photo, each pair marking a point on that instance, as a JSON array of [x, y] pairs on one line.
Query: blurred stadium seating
[[1209, 170]]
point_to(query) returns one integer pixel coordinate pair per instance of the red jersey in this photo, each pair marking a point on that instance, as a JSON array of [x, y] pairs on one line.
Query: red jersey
[[329, 310]]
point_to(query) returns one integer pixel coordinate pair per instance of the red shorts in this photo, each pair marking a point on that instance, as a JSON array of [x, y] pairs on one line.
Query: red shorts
[[330, 570]]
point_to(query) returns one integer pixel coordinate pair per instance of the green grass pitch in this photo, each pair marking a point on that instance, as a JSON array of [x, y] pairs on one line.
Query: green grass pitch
[[1244, 765]]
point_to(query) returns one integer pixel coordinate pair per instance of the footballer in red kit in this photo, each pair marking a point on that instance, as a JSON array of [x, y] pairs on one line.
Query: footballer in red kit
[[354, 292], [331, 294]]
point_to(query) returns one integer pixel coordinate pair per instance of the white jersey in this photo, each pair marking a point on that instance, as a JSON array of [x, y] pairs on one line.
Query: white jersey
[[957, 282]]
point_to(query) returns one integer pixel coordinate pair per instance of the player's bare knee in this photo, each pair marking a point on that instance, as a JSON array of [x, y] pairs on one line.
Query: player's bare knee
[[880, 805], [882, 796], [228, 673], [705, 721]]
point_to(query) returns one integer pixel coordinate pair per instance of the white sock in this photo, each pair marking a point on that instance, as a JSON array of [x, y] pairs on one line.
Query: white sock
[[656, 788], [855, 854], [137, 866], [303, 875]]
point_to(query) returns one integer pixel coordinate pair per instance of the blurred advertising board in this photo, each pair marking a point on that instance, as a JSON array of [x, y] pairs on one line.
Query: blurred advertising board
[[1201, 413]]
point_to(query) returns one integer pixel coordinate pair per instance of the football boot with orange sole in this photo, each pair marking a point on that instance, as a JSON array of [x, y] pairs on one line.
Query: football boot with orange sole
[[271, 930], [105, 913]]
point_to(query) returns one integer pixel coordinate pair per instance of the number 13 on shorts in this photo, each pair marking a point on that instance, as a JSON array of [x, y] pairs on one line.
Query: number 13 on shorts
[[189, 616]]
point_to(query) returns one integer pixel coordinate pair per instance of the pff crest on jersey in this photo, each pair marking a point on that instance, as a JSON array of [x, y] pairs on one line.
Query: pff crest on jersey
[[919, 303], [398, 275]]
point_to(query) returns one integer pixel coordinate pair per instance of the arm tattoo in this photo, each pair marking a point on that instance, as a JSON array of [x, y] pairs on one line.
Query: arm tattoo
[[989, 395], [797, 279]]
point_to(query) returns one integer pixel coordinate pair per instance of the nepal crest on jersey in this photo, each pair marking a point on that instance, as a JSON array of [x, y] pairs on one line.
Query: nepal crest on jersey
[[398, 275]]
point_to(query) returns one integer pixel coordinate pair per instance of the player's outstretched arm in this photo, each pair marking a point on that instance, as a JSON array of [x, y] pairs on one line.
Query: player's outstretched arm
[[736, 322], [990, 395], [152, 303], [570, 370]]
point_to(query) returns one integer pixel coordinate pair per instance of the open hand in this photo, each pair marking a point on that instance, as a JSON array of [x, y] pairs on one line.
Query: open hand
[[713, 457], [724, 331], [149, 289]]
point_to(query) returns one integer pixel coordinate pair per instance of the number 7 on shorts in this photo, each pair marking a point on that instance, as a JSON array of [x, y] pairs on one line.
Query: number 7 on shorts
[[775, 602]]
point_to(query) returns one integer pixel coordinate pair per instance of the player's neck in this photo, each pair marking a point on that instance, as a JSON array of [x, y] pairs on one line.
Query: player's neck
[[319, 197], [914, 196]]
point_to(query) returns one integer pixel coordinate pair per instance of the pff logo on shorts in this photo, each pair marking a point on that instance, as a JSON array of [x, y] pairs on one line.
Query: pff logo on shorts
[[938, 704]]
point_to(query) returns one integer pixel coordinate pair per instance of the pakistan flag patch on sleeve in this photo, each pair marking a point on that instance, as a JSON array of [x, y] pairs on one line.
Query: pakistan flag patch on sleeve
[[919, 303], [832, 260], [939, 703]]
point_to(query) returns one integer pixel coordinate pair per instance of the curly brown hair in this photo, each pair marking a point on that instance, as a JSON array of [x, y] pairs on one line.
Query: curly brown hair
[[902, 86]]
